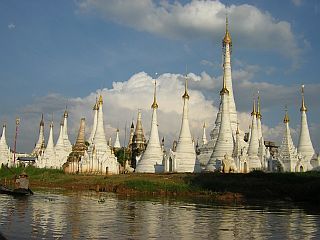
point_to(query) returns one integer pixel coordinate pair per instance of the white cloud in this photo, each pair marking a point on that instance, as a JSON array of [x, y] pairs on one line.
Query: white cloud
[[297, 3], [122, 100], [250, 26], [11, 26]]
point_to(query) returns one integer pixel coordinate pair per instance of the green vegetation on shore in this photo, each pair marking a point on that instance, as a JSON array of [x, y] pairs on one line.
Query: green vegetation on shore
[[300, 187]]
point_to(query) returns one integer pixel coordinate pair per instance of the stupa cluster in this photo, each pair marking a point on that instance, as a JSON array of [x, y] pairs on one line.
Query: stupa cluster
[[228, 149]]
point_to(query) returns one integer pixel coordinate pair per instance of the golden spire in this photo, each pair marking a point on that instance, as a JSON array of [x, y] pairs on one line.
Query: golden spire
[[100, 100], [186, 95], [204, 124], [254, 108], [227, 37], [95, 106], [286, 116], [154, 104], [258, 110], [224, 87], [303, 106]]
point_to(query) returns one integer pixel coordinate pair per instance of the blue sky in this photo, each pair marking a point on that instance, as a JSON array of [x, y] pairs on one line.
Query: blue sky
[[55, 53]]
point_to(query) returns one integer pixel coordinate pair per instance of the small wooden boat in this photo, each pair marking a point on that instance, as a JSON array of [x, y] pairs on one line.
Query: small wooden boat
[[15, 192]]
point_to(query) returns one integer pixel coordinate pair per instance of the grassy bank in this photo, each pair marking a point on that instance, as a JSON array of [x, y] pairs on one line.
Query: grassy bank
[[300, 187]]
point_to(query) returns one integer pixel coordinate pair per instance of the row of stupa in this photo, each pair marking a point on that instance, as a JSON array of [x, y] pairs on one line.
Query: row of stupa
[[227, 150]]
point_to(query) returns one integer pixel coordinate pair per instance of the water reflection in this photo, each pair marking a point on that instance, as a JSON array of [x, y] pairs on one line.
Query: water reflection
[[88, 215]]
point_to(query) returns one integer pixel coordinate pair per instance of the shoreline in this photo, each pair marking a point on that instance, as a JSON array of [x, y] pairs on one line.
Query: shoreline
[[231, 187]]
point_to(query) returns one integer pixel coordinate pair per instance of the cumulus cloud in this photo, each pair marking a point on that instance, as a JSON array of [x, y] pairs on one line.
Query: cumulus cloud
[[250, 26], [123, 99], [121, 103]]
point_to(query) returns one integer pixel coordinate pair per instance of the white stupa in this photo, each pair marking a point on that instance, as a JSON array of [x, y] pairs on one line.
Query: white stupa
[[5, 154], [95, 120], [225, 143], [99, 159], [153, 154], [207, 149], [253, 148], [204, 135], [66, 141], [305, 147], [49, 155], [185, 155], [40, 145], [287, 155], [117, 144]]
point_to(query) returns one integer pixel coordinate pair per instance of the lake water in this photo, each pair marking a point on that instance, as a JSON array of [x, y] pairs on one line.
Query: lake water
[[54, 214]]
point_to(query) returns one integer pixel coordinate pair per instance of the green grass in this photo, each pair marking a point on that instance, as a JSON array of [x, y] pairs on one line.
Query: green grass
[[303, 187]]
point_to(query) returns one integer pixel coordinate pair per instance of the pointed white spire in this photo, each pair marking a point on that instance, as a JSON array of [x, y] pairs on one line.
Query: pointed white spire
[[100, 141], [117, 141], [225, 144], [95, 120], [67, 143], [227, 44], [40, 145], [204, 135], [153, 154], [185, 154], [259, 117], [253, 149], [49, 153], [4, 149], [305, 146]]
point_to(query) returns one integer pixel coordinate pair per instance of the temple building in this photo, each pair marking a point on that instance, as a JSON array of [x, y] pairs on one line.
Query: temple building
[[5, 154], [40, 145], [78, 151], [99, 158], [184, 158], [152, 157]]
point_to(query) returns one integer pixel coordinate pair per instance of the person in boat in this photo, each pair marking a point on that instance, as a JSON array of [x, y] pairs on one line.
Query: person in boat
[[23, 181]]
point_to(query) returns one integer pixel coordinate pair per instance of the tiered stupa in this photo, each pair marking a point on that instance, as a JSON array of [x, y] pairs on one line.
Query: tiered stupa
[[138, 145], [40, 145], [224, 146], [253, 148], [100, 159], [207, 149], [185, 155], [153, 154], [78, 151], [5, 154], [287, 154], [305, 147]]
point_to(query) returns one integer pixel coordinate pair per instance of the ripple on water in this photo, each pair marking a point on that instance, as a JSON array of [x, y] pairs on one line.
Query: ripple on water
[[90, 215]]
